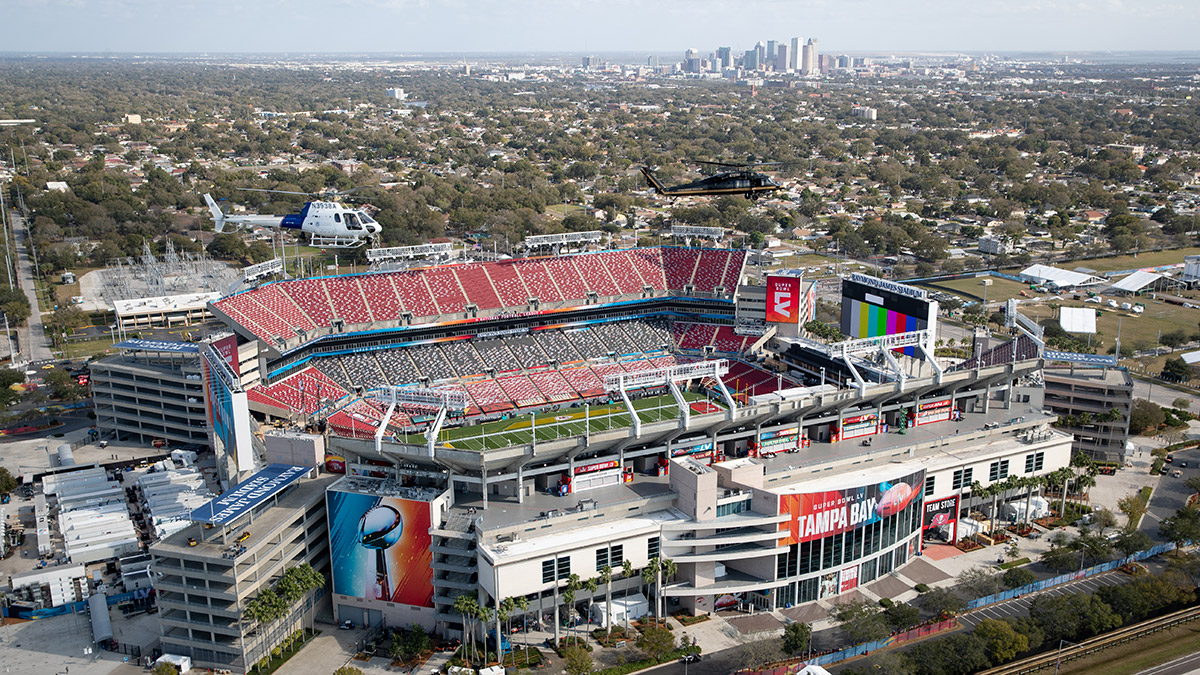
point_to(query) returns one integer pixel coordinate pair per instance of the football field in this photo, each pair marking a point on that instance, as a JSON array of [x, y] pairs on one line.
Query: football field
[[519, 429]]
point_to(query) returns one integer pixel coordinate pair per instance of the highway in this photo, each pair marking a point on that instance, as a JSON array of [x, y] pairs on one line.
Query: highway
[[1184, 665]]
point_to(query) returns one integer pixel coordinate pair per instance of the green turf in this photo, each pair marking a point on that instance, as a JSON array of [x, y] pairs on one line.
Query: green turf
[[516, 430]]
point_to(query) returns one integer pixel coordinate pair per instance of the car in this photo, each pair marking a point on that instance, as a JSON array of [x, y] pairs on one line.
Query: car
[[690, 658], [1183, 465], [346, 625], [1176, 474], [243, 537], [48, 366], [1170, 459]]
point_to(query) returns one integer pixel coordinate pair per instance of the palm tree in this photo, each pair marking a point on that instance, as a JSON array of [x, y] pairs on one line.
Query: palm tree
[[467, 607], [569, 595], [606, 574], [649, 574], [978, 490], [627, 572], [591, 585], [484, 616], [667, 569], [522, 603], [504, 614]]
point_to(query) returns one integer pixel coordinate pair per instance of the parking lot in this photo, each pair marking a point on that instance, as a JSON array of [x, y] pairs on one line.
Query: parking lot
[[1020, 606]]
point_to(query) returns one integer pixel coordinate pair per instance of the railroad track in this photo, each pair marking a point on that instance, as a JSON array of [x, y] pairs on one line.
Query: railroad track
[[1096, 644]]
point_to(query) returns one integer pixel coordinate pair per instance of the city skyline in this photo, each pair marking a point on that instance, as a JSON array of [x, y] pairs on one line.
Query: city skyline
[[483, 26]]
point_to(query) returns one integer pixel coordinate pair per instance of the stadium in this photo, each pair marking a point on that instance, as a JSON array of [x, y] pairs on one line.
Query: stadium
[[507, 424]]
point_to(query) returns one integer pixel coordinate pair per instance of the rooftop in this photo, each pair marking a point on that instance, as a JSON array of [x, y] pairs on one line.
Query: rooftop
[[1113, 377]]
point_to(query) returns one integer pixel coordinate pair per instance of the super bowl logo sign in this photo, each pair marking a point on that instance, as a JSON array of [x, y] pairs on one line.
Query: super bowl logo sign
[[783, 299], [815, 515]]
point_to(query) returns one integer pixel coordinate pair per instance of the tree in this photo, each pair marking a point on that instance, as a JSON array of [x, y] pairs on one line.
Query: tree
[[1182, 402], [468, 608], [7, 482], [1130, 541], [978, 582], [656, 643], [577, 660], [959, 653], [649, 574], [1059, 558], [1003, 643], [165, 668], [1182, 527], [901, 616], [606, 575], [796, 637], [1016, 577], [1134, 508], [344, 670], [942, 601], [861, 621], [1102, 519], [1073, 616], [1145, 417], [759, 652]]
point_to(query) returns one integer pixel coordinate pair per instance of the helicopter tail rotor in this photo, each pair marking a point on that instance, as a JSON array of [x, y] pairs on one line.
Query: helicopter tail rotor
[[217, 214], [651, 180]]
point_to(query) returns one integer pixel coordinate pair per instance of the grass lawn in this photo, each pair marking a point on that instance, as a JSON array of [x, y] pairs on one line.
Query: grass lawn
[[1139, 654], [87, 348], [1137, 331], [1130, 262], [557, 424], [973, 289]]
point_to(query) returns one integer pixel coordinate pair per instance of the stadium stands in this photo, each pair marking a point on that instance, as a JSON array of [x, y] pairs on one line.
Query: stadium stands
[[497, 355], [277, 310], [432, 363], [680, 265], [508, 284], [521, 391], [693, 336], [527, 351], [730, 342], [488, 395], [584, 381], [347, 299], [616, 339], [363, 369], [480, 292], [446, 291], [463, 357], [398, 366], [553, 386], [586, 343], [557, 346]]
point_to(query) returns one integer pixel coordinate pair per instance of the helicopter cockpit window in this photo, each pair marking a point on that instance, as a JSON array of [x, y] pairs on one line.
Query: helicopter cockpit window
[[337, 217], [352, 222], [364, 217]]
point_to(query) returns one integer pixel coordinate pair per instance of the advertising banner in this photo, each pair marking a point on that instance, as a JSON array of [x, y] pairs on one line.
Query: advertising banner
[[939, 513], [933, 411], [380, 548], [849, 579], [814, 515], [598, 466], [226, 347], [783, 299]]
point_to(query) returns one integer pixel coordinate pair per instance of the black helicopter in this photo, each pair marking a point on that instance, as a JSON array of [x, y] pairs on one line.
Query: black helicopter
[[739, 179]]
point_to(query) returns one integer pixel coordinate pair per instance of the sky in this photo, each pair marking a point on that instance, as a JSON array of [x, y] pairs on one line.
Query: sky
[[595, 26]]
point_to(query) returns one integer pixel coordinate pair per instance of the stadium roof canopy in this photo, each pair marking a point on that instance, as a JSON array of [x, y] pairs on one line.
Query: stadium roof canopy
[[1054, 277], [1136, 281], [1077, 319]]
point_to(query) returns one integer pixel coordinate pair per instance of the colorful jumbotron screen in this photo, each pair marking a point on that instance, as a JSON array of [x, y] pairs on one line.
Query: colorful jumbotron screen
[[873, 307]]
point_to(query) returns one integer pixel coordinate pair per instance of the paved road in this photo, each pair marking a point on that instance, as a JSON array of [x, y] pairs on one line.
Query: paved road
[[1171, 494], [34, 345], [1161, 395], [1184, 665]]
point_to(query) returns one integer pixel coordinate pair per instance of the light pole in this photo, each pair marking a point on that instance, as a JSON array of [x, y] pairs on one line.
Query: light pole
[[1058, 658]]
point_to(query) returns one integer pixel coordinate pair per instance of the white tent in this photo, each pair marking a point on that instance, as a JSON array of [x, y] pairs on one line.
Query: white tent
[[1078, 319], [1053, 277], [182, 663], [1136, 281], [631, 607]]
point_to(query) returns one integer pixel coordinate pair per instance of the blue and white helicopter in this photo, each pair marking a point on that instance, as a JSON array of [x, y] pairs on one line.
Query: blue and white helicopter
[[329, 224]]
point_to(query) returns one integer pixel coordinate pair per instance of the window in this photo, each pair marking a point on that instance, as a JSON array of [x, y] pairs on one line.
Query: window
[[651, 548], [601, 558], [733, 507], [998, 470], [547, 571], [1034, 462], [929, 480], [617, 553], [962, 479], [564, 568]]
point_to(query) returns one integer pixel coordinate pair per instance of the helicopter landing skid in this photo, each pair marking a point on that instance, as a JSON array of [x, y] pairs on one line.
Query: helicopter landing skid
[[323, 241]]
